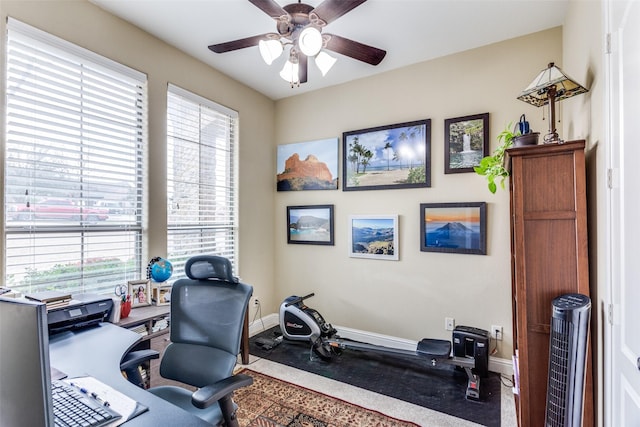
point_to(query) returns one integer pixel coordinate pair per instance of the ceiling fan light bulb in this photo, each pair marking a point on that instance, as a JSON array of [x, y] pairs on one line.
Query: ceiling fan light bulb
[[324, 61], [270, 50], [310, 41]]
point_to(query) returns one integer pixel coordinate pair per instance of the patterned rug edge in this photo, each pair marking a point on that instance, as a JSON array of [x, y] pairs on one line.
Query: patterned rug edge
[[243, 393]]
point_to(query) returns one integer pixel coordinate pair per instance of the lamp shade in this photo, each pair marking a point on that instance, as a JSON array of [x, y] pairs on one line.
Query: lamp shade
[[310, 41], [537, 93], [290, 72], [270, 50], [324, 62]]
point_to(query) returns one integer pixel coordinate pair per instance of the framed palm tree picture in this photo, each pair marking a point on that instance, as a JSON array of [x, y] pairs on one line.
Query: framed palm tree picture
[[387, 157]]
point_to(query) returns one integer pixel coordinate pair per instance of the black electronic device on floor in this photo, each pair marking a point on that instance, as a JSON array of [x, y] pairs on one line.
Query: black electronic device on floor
[[470, 349], [472, 343]]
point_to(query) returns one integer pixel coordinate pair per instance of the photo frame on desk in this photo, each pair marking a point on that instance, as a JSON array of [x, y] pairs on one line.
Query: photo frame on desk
[[162, 295], [140, 291]]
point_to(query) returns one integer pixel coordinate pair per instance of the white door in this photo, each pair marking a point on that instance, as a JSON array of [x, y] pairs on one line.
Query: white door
[[623, 338]]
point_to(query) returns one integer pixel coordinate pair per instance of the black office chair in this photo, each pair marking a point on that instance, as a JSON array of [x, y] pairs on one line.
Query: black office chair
[[207, 317]]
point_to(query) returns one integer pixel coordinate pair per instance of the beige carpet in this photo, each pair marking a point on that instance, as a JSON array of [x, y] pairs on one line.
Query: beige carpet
[[273, 402]]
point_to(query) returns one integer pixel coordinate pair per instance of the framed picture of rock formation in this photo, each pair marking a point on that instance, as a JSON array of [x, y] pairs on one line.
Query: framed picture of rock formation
[[373, 236], [309, 165], [310, 225], [466, 142], [454, 227], [387, 157]]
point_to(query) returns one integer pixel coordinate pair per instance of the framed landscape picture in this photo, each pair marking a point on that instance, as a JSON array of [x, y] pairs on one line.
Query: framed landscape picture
[[387, 157], [309, 165], [466, 142], [454, 227], [374, 236], [310, 225]]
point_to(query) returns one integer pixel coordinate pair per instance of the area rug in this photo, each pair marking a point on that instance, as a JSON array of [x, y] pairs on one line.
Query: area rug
[[412, 379], [273, 402]]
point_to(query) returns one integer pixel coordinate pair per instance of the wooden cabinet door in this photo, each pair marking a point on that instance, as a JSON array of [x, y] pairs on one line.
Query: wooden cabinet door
[[549, 245]]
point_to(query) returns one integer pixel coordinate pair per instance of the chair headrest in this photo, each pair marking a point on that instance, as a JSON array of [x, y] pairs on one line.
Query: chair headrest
[[209, 267]]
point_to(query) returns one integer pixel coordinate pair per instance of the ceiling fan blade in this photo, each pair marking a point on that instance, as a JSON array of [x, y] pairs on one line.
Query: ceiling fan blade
[[361, 52], [240, 43], [303, 62], [330, 10], [270, 7]]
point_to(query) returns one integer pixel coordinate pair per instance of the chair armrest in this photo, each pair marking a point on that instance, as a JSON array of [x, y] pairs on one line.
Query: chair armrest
[[135, 358], [210, 394]]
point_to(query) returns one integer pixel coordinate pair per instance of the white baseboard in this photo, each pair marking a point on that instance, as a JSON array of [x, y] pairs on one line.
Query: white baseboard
[[376, 339], [263, 324], [499, 365]]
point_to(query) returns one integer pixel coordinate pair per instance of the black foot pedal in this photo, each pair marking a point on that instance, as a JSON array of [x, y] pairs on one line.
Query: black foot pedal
[[434, 349], [268, 344]]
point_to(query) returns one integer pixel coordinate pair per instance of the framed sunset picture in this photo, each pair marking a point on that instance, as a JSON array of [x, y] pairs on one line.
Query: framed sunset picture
[[454, 227]]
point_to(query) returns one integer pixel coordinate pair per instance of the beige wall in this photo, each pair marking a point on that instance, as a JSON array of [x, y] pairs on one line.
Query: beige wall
[[411, 297], [584, 118], [84, 24], [408, 298]]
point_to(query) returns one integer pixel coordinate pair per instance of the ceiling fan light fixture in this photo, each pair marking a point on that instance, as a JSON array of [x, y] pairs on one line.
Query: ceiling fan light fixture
[[270, 50], [324, 61], [289, 72], [310, 41]]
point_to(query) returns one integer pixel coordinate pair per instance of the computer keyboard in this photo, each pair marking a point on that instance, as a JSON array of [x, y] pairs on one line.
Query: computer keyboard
[[72, 408]]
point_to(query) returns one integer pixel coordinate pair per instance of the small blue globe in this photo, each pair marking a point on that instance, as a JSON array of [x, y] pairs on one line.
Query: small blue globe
[[161, 270]]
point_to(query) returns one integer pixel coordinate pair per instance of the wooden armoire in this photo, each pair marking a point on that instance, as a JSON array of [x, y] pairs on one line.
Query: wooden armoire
[[548, 258]]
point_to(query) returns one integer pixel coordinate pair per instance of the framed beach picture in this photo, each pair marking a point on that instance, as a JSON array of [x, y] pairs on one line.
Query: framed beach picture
[[310, 225], [454, 227], [140, 292], [309, 165], [373, 236], [387, 157], [466, 142]]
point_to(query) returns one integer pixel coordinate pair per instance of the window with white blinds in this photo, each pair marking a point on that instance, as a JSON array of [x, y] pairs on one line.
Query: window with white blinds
[[201, 179], [76, 128]]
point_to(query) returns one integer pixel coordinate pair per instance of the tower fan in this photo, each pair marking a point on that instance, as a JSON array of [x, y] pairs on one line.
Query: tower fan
[[567, 359]]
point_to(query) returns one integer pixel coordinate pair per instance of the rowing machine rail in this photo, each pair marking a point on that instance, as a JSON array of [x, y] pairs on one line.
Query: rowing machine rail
[[438, 351]]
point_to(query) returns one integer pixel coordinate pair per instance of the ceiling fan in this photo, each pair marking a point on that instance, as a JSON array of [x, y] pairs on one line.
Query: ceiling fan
[[299, 26]]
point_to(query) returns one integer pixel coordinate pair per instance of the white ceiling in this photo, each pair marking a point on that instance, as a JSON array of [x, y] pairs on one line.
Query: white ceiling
[[411, 31]]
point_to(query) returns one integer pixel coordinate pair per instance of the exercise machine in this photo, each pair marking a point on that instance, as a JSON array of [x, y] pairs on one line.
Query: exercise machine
[[470, 345]]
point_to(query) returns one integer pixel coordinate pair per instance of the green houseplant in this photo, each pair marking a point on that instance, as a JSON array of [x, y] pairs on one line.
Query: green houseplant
[[493, 166]]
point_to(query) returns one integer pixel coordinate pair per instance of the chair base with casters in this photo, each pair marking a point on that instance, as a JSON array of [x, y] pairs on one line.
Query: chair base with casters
[[207, 319]]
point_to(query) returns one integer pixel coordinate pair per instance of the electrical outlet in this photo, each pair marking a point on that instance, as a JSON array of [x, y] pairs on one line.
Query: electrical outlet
[[256, 301], [449, 323], [496, 332]]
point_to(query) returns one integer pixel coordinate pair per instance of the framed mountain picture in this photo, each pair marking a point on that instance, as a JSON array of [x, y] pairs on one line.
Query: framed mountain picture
[[454, 227]]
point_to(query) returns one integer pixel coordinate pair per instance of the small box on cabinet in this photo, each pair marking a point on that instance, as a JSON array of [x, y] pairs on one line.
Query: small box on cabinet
[[161, 295]]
